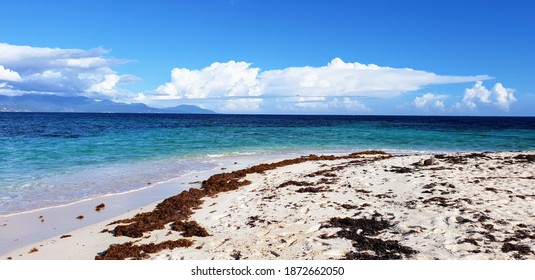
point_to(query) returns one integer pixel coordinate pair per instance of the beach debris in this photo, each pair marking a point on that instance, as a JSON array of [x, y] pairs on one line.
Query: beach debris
[[327, 181], [349, 206], [494, 190], [295, 183], [438, 200], [521, 234], [65, 236], [33, 250], [325, 173], [99, 207], [253, 219], [359, 230], [525, 158], [462, 220], [369, 226], [275, 254], [430, 161], [313, 190], [522, 249], [377, 217], [269, 197], [104, 230], [9, 258], [236, 255], [42, 219], [190, 228], [129, 250], [461, 159], [80, 217], [469, 240], [399, 169]]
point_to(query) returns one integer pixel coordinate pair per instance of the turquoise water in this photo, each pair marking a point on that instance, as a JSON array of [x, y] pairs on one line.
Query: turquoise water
[[51, 159]]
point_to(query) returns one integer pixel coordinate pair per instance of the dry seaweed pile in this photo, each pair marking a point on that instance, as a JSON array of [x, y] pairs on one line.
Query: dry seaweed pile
[[461, 159], [178, 209], [142, 251], [366, 247], [190, 229], [295, 183]]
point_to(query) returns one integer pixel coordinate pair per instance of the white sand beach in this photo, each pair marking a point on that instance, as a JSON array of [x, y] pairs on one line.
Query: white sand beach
[[369, 206]]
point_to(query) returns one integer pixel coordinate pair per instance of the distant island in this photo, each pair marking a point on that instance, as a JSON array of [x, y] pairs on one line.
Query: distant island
[[81, 104]]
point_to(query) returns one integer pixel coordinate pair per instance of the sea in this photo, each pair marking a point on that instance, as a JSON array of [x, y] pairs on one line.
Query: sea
[[51, 159]]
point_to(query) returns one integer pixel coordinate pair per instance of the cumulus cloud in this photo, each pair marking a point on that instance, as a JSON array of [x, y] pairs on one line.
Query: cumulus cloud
[[217, 80], [28, 69], [234, 86], [504, 96], [337, 78], [499, 96], [430, 101], [340, 81], [477, 92], [106, 86], [9, 75]]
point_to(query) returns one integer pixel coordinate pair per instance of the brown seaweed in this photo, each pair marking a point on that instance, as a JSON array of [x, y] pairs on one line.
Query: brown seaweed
[[99, 207], [179, 207], [190, 228], [312, 190], [139, 252], [359, 230]]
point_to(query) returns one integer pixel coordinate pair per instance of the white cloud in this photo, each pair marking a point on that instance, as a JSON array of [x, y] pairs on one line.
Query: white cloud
[[477, 92], [106, 86], [61, 71], [499, 96], [234, 86], [504, 96], [430, 101], [314, 106], [348, 104], [242, 105], [217, 80], [337, 78], [27, 57], [297, 88], [9, 75]]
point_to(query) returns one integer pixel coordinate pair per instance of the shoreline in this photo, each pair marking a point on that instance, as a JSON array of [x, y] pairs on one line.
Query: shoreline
[[57, 222], [221, 160], [90, 232]]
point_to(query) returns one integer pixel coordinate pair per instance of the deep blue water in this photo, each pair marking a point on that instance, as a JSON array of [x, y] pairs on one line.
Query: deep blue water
[[49, 158]]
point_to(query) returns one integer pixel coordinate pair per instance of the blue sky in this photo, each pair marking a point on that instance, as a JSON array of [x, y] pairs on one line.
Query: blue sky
[[296, 57]]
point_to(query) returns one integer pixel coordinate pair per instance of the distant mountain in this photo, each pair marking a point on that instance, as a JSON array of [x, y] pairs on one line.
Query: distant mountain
[[54, 103], [186, 109]]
